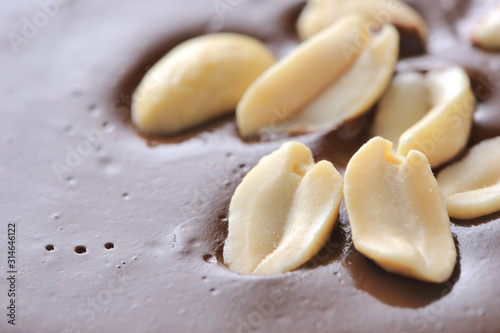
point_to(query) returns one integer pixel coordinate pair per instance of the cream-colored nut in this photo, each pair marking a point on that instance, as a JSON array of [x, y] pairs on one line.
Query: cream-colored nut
[[486, 33], [293, 82], [432, 113], [403, 105], [196, 81], [355, 92], [397, 213], [289, 98], [471, 186], [282, 213], [319, 14]]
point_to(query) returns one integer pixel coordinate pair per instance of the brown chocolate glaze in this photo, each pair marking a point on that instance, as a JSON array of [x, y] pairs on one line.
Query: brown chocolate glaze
[[163, 205]]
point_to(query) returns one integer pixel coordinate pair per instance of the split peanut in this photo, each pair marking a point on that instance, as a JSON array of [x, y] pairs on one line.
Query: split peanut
[[334, 76], [319, 14], [486, 33], [430, 112], [198, 80], [471, 187], [397, 214], [282, 213]]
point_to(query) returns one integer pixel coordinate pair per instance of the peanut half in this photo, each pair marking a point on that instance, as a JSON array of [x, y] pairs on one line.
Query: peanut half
[[294, 81], [319, 14], [334, 76], [471, 187], [282, 213], [397, 213], [486, 33], [355, 92], [401, 107], [196, 81], [430, 112]]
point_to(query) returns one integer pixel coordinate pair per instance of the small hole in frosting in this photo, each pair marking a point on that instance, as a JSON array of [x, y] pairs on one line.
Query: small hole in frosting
[[209, 258], [107, 127], [80, 249], [49, 247], [94, 110], [109, 246]]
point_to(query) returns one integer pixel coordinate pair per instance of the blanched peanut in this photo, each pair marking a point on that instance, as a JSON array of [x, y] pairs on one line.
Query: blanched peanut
[[472, 186], [401, 107], [334, 76], [293, 82], [397, 213], [282, 213], [319, 14], [198, 80], [432, 113], [486, 33], [356, 91]]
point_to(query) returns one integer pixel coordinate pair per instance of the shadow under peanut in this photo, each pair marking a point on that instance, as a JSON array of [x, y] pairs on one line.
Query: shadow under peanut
[[333, 250], [396, 290], [477, 221]]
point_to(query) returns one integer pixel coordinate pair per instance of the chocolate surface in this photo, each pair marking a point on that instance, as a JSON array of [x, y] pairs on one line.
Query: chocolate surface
[[74, 172]]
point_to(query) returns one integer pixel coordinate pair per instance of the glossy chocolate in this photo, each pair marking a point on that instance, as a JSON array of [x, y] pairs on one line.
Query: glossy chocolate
[[74, 172]]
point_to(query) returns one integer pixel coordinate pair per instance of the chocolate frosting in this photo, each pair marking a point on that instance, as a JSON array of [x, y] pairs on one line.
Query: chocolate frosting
[[75, 172]]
